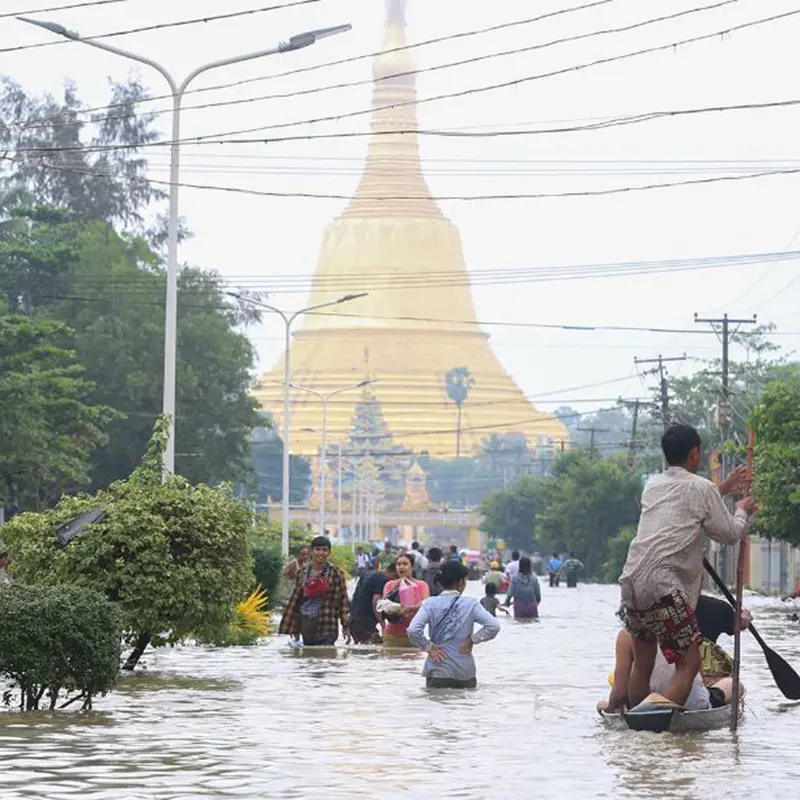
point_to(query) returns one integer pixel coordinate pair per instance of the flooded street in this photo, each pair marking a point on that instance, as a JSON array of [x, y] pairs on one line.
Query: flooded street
[[261, 722]]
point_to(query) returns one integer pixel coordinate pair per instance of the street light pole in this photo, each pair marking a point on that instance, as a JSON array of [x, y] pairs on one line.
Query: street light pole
[[288, 319], [177, 90], [325, 396]]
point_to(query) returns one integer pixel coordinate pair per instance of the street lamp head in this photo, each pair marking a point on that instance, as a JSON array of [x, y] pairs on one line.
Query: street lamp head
[[348, 297], [302, 40], [53, 27], [366, 382]]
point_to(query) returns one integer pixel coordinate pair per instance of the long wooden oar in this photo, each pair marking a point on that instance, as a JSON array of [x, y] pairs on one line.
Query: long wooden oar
[[737, 613], [786, 679]]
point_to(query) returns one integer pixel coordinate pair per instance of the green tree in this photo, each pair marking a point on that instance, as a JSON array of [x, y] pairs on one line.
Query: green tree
[[109, 288], [617, 553], [584, 503], [776, 466], [511, 514], [101, 176], [49, 428], [173, 557], [266, 464], [458, 383]]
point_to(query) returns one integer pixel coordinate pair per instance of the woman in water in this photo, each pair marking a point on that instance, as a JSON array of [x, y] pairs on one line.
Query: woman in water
[[525, 592], [450, 618], [412, 592]]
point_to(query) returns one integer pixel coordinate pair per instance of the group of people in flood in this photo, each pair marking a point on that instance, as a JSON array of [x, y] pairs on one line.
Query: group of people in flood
[[666, 652]]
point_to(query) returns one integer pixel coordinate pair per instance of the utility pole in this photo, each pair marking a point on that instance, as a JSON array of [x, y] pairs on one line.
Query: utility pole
[[725, 405], [724, 333], [592, 430], [634, 405], [662, 382]]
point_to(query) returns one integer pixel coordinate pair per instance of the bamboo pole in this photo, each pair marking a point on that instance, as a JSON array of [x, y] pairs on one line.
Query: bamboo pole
[[737, 619]]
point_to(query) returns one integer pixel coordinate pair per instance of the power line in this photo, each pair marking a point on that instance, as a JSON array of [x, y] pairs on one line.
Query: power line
[[160, 26], [85, 4], [382, 281], [612, 122], [107, 298], [445, 198], [414, 72], [351, 59], [514, 82]]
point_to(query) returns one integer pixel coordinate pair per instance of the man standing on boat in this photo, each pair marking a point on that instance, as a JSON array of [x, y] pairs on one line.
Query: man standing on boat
[[661, 580]]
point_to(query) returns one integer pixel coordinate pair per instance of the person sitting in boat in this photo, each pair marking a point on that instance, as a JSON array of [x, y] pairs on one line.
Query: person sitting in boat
[[700, 697], [660, 583], [714, 617], [554, 569]]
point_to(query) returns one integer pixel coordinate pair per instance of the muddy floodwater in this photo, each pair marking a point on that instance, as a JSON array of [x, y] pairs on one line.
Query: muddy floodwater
[[262, 722]]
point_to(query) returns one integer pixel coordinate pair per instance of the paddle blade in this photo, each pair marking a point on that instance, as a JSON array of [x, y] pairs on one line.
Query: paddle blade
[[786, 679]]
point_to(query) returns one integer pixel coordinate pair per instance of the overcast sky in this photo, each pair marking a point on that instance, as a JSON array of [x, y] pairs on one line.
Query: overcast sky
[[249, 239]]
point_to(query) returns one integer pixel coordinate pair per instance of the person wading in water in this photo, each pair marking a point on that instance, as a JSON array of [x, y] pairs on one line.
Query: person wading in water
[[450, 618], [319, 600]]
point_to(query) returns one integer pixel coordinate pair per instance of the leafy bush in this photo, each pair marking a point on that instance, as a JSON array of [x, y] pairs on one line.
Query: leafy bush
[[267, 567], [343, 557], [57, 641], [173, 557]]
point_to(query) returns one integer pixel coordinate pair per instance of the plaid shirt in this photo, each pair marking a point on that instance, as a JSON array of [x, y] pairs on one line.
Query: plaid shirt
[[335, 605]]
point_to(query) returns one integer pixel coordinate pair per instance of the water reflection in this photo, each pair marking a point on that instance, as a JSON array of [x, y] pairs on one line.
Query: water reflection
[[267, 722]]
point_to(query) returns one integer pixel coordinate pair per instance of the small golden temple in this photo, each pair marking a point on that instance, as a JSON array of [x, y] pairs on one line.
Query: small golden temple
[[393, 242]]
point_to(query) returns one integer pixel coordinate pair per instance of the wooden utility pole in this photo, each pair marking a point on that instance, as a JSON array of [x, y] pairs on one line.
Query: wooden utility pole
[[633, 445], [724, 332], [662, 382], [592, 430]]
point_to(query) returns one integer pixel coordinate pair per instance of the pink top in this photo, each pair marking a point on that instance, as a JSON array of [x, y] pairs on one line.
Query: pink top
[[412, 592]]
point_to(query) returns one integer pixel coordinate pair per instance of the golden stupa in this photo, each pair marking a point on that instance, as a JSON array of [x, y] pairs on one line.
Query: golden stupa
[[393, 242]]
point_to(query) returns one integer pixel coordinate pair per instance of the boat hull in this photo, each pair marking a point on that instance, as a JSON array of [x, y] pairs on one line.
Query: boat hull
[[672, 721]]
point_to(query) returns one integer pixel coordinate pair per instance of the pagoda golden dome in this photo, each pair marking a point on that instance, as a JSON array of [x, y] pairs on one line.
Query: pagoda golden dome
[[418, 320]]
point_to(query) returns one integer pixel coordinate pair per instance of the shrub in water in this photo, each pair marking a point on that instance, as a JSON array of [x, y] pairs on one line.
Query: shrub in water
[[57, 641]]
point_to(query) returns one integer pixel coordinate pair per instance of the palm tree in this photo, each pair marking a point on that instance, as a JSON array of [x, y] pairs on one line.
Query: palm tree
[[458, 383]]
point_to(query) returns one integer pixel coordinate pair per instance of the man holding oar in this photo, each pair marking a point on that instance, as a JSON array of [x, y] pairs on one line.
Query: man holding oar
[[661, 581]]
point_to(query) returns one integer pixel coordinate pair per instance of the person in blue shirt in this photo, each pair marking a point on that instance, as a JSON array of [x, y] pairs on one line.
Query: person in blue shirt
[[554, 568], [450, 618]]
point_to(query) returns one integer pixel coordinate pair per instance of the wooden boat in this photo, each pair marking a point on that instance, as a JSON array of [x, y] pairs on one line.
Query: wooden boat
[[671, 720]]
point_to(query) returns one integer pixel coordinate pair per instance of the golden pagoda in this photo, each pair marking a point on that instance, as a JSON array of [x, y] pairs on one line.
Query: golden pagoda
[[393, 242]]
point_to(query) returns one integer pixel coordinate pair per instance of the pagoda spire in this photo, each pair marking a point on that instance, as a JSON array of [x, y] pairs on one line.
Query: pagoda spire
[[393, 169]]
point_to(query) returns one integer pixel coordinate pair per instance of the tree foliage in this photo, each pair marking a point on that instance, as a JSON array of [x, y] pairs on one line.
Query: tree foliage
[[776, 465], [580, 507], [57, 642], [511, 514], [49, 427], [172, 556]]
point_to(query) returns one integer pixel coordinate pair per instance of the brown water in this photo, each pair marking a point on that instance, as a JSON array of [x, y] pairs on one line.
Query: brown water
[[260, 723]]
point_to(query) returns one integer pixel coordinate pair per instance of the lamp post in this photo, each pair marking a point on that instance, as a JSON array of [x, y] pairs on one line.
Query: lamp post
[[297, 42], [325, 396], [288, 319]]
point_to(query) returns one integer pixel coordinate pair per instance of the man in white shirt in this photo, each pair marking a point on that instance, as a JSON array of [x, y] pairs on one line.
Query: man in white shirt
[[661, 580], [420, 561], [512, 568]]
